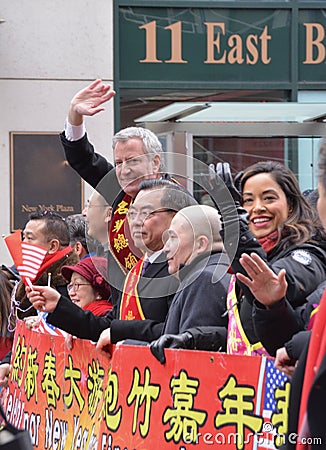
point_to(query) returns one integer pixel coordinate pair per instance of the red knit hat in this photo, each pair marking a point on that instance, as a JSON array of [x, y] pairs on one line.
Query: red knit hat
[[94, 270]]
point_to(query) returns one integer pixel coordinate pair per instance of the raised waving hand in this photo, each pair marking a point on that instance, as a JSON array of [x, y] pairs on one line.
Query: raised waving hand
[[89, 101], [266, 286]]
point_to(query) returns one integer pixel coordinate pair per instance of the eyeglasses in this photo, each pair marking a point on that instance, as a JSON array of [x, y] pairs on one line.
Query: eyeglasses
[[75, 286], [144, 215]]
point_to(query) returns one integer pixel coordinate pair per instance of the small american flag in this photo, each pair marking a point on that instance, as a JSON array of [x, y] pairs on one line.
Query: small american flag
[[274, 379], [46, 328], [28, 258], [32, 259]]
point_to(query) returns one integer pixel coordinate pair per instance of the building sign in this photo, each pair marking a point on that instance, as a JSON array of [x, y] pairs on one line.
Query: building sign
[[312, 46], [41, 178], [219, 45]]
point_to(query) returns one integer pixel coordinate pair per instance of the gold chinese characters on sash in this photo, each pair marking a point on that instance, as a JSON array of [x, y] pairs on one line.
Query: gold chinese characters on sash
[[237, 340], [119, 235], [130, 307]]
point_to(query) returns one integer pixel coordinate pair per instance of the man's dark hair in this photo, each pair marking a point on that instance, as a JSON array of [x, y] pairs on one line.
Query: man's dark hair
[[55, 226], [77, 225], [77, 230], [174, 197]]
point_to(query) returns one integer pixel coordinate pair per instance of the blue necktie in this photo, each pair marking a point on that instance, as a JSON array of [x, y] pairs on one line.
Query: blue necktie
[[145, 265]]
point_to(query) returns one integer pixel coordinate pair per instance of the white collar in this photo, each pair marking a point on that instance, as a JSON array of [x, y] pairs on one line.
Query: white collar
[[153, 256]]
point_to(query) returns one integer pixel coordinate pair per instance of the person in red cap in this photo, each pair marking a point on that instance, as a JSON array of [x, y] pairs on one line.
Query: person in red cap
[[87, 286]]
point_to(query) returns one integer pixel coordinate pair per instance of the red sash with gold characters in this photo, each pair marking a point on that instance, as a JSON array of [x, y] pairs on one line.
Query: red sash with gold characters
[[121, 244], [119, 236], [130, 307]]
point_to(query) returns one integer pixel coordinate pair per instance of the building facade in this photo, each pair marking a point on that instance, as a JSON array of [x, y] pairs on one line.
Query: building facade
[[200, 73], [48, 51]]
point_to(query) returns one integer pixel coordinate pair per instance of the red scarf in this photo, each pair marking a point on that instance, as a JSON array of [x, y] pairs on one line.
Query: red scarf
[[98, 307], [51, 259], [269, 242]]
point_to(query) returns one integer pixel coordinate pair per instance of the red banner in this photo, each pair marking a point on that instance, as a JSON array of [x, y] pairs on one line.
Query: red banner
[[80, 400]]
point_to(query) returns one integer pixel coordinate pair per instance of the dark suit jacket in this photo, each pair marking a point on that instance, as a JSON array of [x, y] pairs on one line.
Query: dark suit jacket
[[99, 173], [156, 290], [91, 166], [200, 300]]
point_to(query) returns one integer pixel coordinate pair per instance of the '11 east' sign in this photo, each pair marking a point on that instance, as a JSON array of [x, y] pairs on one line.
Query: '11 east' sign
[[232, 49], [220, 45]]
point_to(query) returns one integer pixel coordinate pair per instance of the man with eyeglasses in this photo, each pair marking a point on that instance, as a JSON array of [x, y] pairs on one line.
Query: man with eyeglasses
[[195, 254], [147, 292], [137, 156]]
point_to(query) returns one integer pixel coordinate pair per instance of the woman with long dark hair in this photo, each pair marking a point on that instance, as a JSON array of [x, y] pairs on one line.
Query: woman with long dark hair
[[294, 240], [275, 222], [304, 356]]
